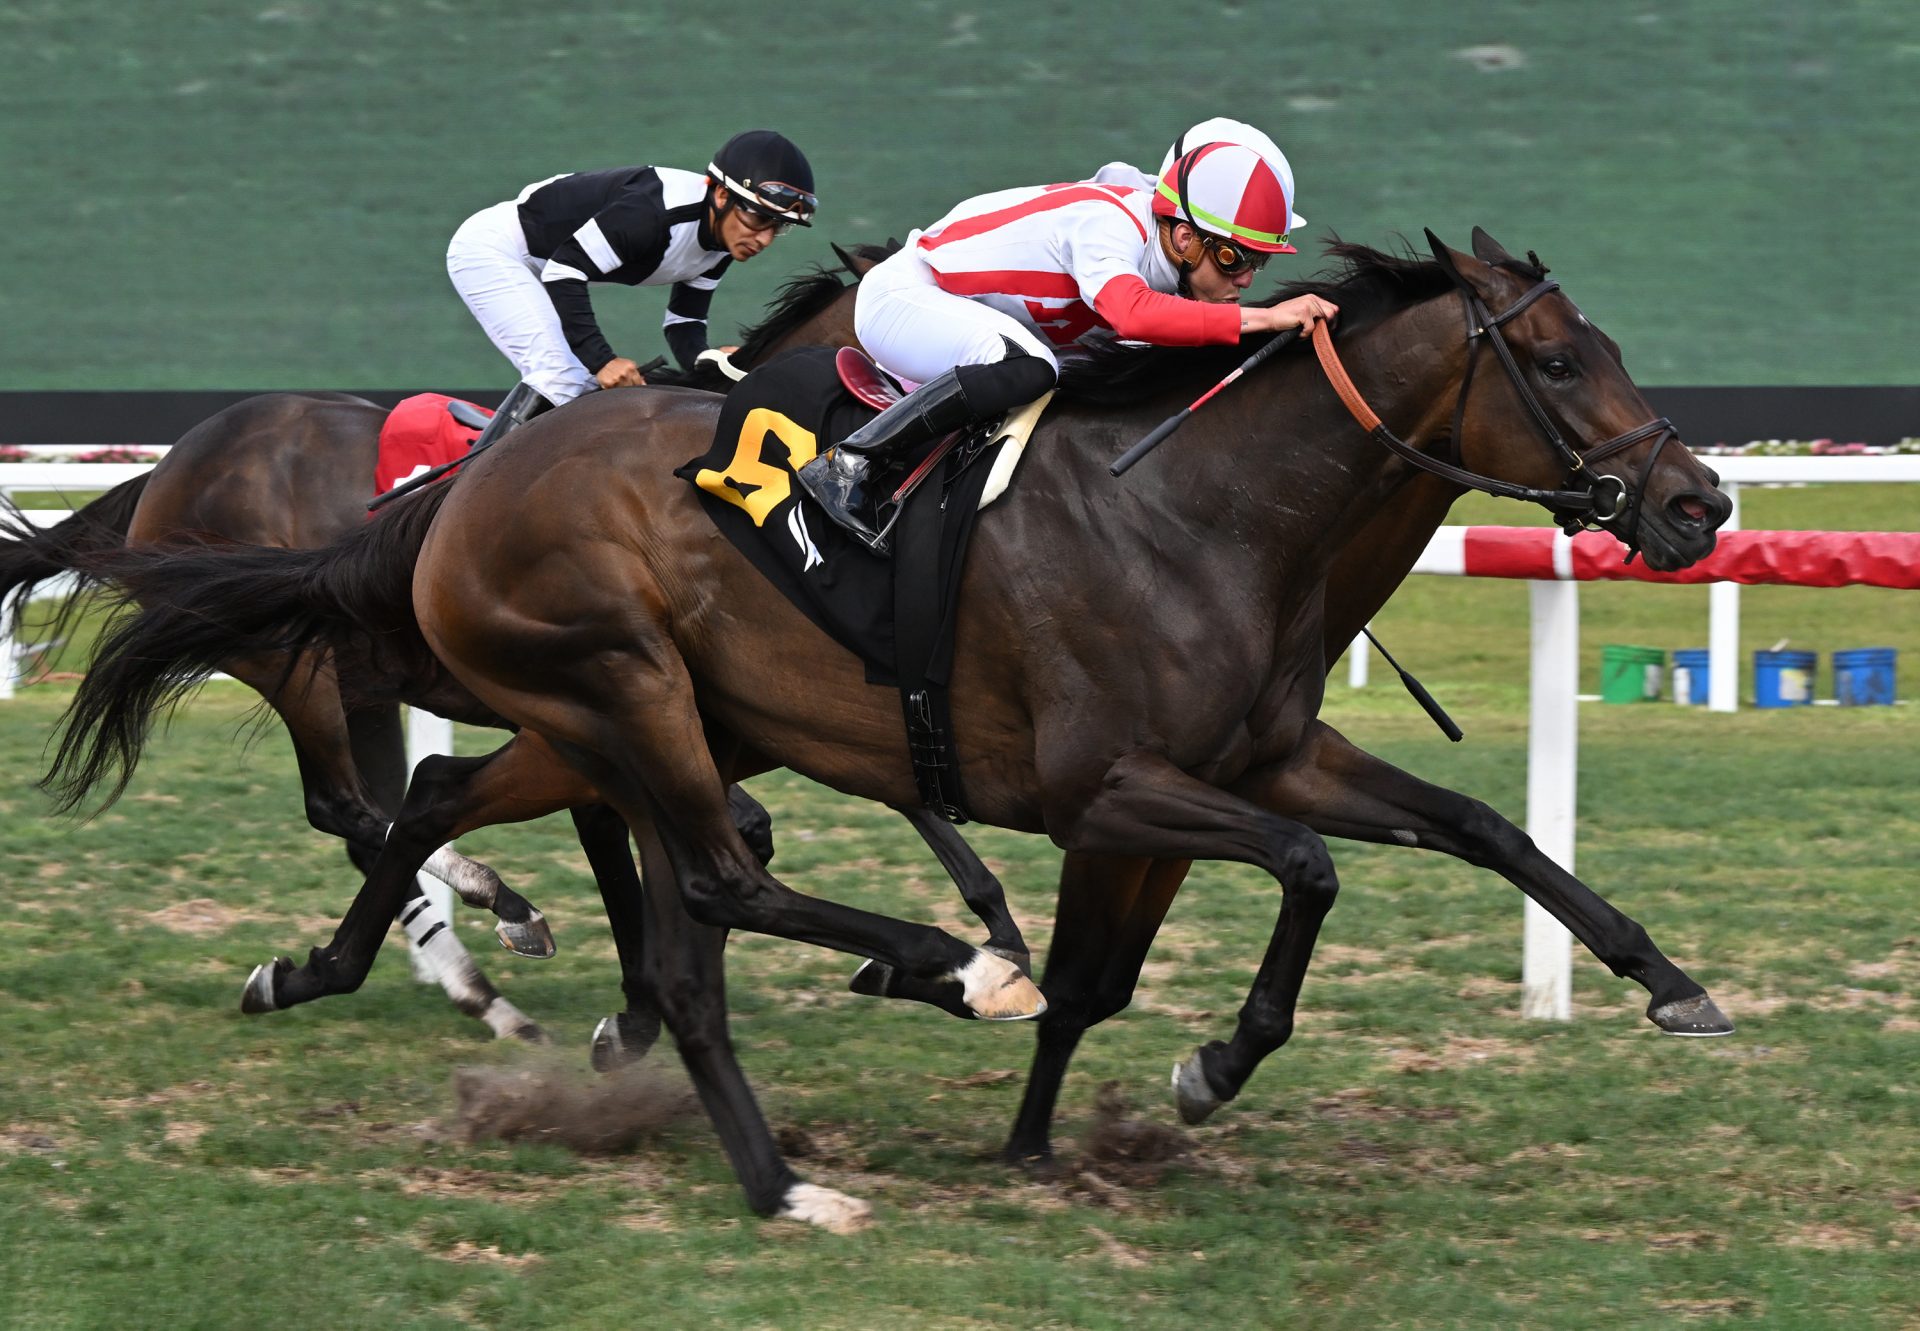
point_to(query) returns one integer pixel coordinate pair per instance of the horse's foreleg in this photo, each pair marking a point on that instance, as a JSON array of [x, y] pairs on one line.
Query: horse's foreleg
[[1108, 912], [449, 797], [983, 894], [1341, 790], [1147, 806], [684, 970]]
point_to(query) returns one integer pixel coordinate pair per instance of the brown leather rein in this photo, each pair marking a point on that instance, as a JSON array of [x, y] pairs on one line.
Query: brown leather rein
[[1572, 508]]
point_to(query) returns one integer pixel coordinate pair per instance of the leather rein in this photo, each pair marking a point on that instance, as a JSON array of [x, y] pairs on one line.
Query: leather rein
[[1601, 499]]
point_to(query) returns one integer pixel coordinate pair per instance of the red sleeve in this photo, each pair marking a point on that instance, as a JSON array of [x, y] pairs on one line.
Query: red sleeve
[[1138, 313]]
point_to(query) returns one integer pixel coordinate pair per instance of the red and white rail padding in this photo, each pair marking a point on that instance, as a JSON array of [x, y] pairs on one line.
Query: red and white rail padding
[[1786, 558]]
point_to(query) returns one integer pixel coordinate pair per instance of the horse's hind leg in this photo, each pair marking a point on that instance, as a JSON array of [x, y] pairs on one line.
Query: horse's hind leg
[[684, 966], [1109, 910], [642, 742], [448, 798]]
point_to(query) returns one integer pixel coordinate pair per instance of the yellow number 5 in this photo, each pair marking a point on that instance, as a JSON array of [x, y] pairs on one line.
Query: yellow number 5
[[753, 485]]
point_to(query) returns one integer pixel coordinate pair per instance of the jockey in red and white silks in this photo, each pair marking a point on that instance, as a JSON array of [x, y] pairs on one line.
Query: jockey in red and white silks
[[978, 307]]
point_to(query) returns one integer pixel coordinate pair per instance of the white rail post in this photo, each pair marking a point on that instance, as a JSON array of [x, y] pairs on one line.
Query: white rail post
[[428, 734], [1553, 742], [1357, 662], [1723, 627]]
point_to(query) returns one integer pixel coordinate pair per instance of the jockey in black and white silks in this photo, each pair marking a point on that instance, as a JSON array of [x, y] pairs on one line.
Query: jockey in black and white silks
[[524, 266]]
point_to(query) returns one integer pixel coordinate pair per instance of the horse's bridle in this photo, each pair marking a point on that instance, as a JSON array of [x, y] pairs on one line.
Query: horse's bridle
[[1600, 499]]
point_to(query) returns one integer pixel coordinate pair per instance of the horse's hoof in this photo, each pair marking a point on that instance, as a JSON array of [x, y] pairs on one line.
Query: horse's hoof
[[622, 1040], [833, 1211], [258, 996], [526, 938], [529, 1031], [874, 979], [995, 990], [1191, 1093], [1698, 1016]]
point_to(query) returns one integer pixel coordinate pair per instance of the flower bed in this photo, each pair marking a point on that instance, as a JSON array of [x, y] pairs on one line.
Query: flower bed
[[1806, 448]]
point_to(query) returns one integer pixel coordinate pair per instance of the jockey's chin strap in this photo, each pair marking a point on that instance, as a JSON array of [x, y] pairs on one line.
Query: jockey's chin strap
[[1601, 499]]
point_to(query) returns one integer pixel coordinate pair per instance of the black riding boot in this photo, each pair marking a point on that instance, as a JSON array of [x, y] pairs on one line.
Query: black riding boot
[[520, 406], [837, 479]]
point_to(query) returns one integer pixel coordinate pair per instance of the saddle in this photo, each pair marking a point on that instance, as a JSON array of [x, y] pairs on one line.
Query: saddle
[[861, 376]]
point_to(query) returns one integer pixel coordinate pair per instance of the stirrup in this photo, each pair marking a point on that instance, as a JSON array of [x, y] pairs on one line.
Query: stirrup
[[837, 485]]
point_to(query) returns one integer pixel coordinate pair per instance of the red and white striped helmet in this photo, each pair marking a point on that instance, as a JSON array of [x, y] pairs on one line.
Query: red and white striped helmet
[[1232, 189]]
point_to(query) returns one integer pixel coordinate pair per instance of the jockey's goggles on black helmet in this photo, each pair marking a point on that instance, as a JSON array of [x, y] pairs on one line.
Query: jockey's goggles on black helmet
[[767, 178]]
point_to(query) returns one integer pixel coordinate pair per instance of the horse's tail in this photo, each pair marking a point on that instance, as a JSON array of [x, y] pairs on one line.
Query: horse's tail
[[30, 555], [194, 607]]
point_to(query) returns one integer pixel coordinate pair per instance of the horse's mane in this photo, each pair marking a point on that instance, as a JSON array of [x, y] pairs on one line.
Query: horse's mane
[[1367, 284], [802, 297]]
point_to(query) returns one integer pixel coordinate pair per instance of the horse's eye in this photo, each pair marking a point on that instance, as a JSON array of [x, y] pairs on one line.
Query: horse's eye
[[1557, 368]]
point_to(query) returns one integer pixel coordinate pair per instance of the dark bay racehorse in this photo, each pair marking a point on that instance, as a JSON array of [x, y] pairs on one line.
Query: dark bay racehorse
[[1140, 661]]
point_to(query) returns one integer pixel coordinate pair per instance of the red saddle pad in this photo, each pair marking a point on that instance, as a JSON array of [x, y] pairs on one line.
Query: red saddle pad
[[418, 435]]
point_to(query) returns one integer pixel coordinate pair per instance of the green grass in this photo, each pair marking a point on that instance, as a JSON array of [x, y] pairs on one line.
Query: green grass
[[1418, 1156], [260, 195]]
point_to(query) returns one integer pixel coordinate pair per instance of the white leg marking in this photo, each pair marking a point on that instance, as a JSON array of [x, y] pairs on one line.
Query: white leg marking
[[477, 885], [996, 990], [833, 1211]]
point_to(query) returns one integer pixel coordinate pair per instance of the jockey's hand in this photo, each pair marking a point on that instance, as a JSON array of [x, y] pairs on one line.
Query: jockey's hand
[[619, 373], [1302, 312]]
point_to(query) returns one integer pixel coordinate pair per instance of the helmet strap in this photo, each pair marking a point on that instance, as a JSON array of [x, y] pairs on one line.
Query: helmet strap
[[1184, 261]]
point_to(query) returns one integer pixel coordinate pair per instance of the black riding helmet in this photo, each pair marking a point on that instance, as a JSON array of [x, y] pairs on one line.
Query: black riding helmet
[[765, 174]]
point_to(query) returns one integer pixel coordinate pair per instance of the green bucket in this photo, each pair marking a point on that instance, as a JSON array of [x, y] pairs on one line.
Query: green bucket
[[1631, 674]]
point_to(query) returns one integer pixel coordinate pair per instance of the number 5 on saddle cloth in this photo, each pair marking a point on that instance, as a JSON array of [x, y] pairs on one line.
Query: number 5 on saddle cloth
[[895, 615]]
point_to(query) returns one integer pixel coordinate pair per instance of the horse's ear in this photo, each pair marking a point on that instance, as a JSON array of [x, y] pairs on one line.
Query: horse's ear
[[1488, 250], [1445, 255]]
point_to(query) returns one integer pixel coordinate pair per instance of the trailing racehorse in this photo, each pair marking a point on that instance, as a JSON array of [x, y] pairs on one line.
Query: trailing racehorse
[[1139, 663]]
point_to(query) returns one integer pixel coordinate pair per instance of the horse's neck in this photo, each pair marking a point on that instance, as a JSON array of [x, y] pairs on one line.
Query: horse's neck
[[1275, 475]]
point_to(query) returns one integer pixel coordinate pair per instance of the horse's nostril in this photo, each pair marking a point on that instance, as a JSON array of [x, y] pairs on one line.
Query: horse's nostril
[[1692, 507]]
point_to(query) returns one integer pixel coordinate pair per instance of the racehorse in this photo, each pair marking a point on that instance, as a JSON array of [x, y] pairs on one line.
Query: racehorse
[[1139, 668], [290, 470]]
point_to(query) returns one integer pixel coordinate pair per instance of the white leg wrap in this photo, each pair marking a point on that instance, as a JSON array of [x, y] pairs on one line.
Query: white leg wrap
[[477, 885], [833, 1211], [441, 955]]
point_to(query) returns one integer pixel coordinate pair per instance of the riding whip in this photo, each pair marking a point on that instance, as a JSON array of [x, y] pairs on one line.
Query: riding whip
[[1172, 423], [1420, 694]]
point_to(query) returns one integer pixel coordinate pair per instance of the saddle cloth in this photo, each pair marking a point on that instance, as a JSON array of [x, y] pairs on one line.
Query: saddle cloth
[[772, 424], [419, 435]]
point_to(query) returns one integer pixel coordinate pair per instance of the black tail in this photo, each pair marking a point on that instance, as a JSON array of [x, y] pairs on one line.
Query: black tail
[[194, 607], [31, 555]]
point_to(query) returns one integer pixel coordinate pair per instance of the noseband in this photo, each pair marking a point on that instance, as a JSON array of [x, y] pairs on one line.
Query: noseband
[[1599, 499]]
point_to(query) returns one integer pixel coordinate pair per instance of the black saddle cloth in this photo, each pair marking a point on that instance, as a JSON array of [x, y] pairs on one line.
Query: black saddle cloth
[[773, 423]]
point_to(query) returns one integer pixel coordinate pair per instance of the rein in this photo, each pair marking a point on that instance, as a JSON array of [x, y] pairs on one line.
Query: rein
[[1574, 509]]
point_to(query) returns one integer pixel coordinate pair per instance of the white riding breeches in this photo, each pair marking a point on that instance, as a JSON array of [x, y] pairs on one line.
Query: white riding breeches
[[500, 282], [917, 332]]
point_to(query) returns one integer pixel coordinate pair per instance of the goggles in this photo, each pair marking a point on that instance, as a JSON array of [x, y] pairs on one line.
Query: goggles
[[1233, 258], [771, 205]]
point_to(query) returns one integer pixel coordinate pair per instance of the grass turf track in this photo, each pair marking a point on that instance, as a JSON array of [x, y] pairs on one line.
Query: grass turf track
[[1417, 1157]]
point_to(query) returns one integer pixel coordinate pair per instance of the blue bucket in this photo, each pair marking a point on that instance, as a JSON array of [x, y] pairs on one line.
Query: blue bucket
[[1784, 679], [1864, 678], [1690, 676]]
